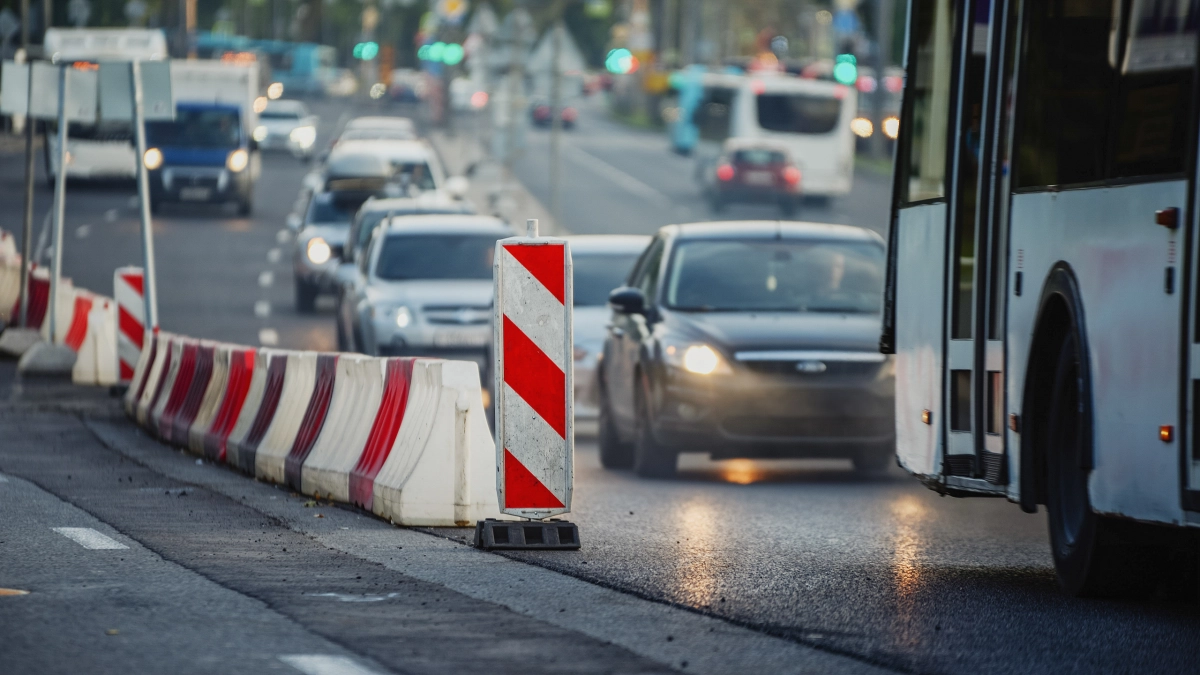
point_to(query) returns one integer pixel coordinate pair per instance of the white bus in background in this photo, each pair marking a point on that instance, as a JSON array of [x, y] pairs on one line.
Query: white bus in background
[[1042, 299], [811, 118], [103, 150]]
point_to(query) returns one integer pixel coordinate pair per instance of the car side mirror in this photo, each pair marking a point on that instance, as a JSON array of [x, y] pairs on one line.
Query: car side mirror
[[626, 300]]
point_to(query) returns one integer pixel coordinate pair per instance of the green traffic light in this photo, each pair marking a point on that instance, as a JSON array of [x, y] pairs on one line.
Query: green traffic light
[[437, 51], [370, 50], [619, 61], [845, 69], [452, 54], [423, 53]]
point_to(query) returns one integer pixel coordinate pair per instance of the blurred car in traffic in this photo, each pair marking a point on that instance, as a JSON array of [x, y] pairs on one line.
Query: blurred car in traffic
[[748, 340], [343, 84], [539, 114], [287, 125], [424, 288], [752, 171], [348, 181], [408, 86], [601, 264]]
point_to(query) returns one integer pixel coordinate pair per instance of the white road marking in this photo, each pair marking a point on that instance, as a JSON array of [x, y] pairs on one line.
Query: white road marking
[[266, 279], [268, 337], [262, 309], [83, 231], [89, 538], [617, 176], [283, 236], [325, 664], [344, 597], [274, 255], [110, 216]]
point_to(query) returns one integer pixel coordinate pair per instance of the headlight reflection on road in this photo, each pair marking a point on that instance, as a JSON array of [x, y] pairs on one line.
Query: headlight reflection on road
[[742, 471], [908, 514], [695, 579]]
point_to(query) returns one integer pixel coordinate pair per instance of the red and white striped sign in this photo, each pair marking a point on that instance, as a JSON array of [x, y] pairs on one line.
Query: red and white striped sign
[[131, 319], [534, 391]]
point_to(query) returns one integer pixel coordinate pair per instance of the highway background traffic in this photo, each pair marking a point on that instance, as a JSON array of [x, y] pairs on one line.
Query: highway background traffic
[[881, 571]]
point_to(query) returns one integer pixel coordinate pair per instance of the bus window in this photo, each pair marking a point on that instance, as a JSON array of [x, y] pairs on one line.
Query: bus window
[[928, 118], [798, 113]]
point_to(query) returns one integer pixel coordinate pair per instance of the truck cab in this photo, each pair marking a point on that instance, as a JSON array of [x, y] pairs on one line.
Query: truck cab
[[204, 155]]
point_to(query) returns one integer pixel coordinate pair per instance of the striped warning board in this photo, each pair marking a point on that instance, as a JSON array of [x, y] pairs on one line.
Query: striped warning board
[[131, 320], [533, 340]]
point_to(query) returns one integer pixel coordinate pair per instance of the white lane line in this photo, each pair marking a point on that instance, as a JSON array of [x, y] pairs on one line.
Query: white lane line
[[274, 255], [617, 176], [89, 538], [325, 664], [268, 337], [283, 236], [262, 309], [266, 279]]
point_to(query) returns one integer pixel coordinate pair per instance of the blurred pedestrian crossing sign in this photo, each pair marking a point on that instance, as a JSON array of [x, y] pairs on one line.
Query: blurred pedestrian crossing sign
[[452, 11]]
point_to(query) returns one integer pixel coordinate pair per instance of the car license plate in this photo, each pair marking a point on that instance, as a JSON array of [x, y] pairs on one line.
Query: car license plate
[[194, 194], [450, 338], [760, 178]]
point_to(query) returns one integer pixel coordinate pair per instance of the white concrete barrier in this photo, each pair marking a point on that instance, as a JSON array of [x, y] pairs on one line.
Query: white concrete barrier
[[10, 289], [96, 354], [174, 358], [156, 368], [140, 372], [213, 394], [356, 398], [258, 407], [272, 452]]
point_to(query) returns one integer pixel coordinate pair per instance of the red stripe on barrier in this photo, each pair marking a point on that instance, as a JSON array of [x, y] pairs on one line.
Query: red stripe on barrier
[[241, 371], [162, 377], [195, 396], [248, 447], [130, 327], [314, 419], [77, 333], [135, 282], [522, 490], [547, 264], [535, 378], [126, 371], [183, 382], [39, 297], [383, 434]]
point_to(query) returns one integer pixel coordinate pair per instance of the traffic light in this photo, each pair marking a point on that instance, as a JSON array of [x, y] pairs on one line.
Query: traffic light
[[449, 53], [845, 69], [366, 51], [621, 62]]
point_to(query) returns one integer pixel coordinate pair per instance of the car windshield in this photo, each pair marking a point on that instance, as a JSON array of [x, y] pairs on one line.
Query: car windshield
[[377, 135], [776, 276], [329, 209], [596, 275], [798, 113], [197, 129], [269, 114], [436, 256], [417, 174], [367, 220]]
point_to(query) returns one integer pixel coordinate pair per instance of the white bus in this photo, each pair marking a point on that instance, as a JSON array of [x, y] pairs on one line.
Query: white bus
[[1042, 300], [811, 118], [104, 149]]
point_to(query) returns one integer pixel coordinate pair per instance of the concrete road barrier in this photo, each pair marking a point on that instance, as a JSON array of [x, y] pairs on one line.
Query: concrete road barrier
[[266, 388], [166, 385], [353, 414], [156, 374], [141, 373], [213, 393], [180, 386], [96, 353], [314, 418], [233, 401], [277, 442], [192, 400]]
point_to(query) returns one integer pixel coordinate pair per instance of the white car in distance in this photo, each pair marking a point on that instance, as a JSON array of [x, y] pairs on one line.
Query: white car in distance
[[287, 125]]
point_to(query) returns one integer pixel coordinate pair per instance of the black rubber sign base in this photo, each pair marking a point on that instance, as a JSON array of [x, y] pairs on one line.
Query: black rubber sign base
[[526, 535]]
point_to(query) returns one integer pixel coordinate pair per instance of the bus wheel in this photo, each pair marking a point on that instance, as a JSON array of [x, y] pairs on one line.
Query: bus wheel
[[1088, 558]]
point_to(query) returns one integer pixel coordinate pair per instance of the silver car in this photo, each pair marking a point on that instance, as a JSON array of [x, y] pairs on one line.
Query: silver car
[[287, 125], [602, 263], [424, 288]]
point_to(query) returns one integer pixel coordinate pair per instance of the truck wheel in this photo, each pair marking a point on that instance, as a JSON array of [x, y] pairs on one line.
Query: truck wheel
[[306, 296], [651, 459]]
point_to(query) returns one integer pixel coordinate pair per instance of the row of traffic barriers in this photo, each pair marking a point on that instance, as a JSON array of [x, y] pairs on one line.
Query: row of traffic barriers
[[86, 322], [405, 438]]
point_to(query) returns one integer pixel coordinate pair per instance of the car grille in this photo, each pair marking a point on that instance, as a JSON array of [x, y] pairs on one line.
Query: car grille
[[457, 315], [815, 427], [832, 369]]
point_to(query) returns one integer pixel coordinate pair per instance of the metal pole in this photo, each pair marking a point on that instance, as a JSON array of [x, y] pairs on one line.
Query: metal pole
[[143, 181], [556, 117], [27, 229], [25, 27], [60, 203], [883, 48]]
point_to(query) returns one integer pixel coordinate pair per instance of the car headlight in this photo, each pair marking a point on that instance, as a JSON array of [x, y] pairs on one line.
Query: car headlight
[[319, 251], [304, 136], [153, 158], [237, 160], [260, 133], [403, 317], [699, 359]]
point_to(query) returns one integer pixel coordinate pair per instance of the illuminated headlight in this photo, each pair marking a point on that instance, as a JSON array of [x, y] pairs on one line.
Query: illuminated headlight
[[318, 251], [237, 160], [862, 127], [260, 104], [260, 133], [303, 136], [697, 358], [378, 90], [275, 90], [153, 158], [891, 127], [403, 317]]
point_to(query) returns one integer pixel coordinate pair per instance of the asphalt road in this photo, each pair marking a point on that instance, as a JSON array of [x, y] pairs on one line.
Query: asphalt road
[[805, 556]]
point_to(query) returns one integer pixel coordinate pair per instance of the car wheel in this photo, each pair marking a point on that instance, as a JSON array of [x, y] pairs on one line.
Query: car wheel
[[245, 207], [614, 454], [651, 459], [306, 296]]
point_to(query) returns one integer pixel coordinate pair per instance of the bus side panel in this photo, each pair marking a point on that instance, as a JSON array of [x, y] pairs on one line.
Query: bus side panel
[[920, 297], [1119, 258]]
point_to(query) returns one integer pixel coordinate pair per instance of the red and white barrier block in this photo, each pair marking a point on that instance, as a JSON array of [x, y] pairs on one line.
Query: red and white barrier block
[[534, 393], [128, 291]]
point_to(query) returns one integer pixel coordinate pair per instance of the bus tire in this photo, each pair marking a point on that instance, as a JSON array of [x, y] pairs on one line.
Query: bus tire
[[1091, 557]]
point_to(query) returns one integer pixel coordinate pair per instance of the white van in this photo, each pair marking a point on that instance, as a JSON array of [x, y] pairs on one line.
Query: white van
[[104, 149], [811, 118]]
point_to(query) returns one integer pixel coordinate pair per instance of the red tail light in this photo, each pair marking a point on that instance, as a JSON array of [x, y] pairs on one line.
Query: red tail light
[[791, 175], [725, 172]]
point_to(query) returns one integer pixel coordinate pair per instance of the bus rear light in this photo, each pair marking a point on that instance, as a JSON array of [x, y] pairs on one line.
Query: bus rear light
[[725, 172], [1166, 433], [1168, 217], [792, 175]]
